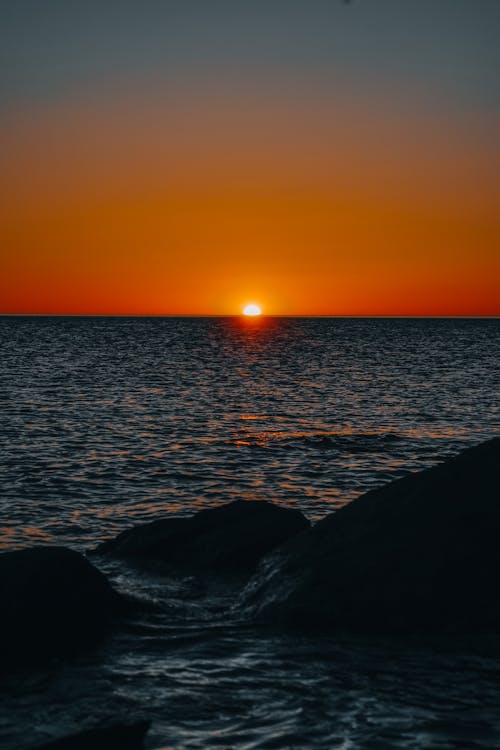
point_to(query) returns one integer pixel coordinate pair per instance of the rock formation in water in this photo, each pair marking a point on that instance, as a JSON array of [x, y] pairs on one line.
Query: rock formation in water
[[116, 737], [419, 554], [230, 538], [53, 603]]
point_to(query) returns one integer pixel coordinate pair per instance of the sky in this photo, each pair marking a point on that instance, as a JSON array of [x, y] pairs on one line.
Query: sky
[[316, 157]]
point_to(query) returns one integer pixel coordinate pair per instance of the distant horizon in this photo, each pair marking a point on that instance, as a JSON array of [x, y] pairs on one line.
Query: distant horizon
[[243, 317]]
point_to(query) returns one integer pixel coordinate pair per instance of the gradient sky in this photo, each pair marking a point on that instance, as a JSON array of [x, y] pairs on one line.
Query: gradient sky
[[188, 157]]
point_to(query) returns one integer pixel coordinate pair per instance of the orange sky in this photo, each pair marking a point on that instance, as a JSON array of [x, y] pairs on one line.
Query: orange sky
[[198, 199]]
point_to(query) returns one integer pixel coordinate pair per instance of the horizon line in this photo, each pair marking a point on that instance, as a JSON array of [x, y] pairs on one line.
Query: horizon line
[[240, 315]]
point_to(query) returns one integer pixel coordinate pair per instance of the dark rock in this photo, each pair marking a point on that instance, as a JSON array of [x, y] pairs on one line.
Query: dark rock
[[420, 554], [230, 538], [116, 737], [53, 603]]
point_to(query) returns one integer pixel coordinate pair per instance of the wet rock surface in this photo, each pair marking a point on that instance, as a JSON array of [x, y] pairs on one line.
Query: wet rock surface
[[116, 737], [54, 602], [419, 554], [228, 539]]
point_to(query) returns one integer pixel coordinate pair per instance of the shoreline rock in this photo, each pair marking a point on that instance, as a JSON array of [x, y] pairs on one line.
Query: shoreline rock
[[421, 554], [114, 737], [230, 538], [54, 603]]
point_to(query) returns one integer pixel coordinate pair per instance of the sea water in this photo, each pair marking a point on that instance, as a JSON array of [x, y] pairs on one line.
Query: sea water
[[110, 422]]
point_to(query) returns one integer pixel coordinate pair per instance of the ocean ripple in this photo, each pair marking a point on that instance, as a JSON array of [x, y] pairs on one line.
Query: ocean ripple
[[108, 422]]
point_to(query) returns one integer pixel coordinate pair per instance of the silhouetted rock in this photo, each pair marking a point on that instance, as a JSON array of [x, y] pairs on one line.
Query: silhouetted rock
[[53, 602], [419, 554], [230, 538], [116, 737]]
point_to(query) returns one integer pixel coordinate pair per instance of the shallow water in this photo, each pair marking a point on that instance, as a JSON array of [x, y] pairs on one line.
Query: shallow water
[[206, 681], [111, 421]]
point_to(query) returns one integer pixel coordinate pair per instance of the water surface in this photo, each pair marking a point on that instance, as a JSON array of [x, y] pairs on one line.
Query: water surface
[[108, 422]]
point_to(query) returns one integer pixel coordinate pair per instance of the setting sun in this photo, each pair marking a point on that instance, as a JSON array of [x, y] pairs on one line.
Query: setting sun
[[252, 310]]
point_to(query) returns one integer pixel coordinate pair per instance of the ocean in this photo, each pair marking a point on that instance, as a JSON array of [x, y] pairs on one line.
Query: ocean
[[111, 422]]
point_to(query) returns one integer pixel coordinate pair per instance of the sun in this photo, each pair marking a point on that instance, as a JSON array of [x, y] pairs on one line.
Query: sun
[[252, 310]]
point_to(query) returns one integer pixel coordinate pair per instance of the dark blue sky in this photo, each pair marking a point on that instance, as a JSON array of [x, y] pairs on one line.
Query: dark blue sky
[[446, 48]]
